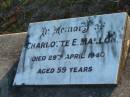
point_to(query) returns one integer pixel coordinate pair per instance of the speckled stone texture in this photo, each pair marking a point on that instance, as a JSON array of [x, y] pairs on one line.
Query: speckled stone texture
[[10, 48]]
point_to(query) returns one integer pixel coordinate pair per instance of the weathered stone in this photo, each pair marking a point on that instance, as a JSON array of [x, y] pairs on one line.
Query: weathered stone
[[7, 90], [10, 47], [88, 49]]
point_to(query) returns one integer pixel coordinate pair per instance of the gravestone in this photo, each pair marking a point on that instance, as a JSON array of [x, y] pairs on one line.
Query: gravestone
[[83, 50], [10, 47]]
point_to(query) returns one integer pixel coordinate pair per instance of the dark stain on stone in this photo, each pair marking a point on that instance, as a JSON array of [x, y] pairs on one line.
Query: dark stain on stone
[[62, 50], [113, 44], [102, 24], [31, 64], [27, 41], [23, 60], [84, 47], [24, 52], [100, 33], [91, 48], [89, 22], [114, 50]]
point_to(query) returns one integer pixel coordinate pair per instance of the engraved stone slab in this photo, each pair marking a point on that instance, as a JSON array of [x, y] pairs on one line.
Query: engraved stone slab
[[83, 50]]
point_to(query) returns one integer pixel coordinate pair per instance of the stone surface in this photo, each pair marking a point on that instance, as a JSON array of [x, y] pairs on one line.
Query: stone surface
[[83, 50], [7, 90], [10, 47]]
